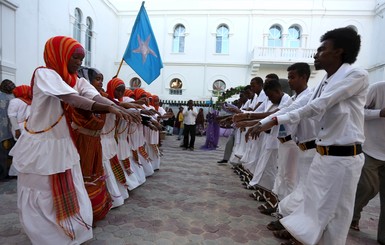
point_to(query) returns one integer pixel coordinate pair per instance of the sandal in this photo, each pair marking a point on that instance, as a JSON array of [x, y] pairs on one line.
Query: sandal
[[355, 225], [275, 226], [291, 242], [282, 234], [250, 187], [257, 196]]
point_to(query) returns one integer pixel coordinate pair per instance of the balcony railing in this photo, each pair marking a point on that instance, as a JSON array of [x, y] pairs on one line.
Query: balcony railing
[[280, 54]]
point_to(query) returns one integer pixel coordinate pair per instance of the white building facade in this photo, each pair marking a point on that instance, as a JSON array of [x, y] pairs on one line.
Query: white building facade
[[207, 46]]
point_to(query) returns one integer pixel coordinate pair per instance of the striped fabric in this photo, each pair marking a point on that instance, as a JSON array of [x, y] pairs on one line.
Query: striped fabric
[[65, 202], [135, 156], [23, 92], [155, 102], [155, 149], [117, 170], [112, 85], [143, 153], [57, 52], [90, 151], [127, 166], [129, 93], [139, 92]]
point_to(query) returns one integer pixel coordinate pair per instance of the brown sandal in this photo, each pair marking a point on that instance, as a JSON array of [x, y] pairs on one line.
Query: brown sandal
[[275, 226], [355, 225], [291, 242], [282, 234]]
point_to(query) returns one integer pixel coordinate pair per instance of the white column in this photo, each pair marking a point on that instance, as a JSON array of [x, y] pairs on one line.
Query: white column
[[8, 40]]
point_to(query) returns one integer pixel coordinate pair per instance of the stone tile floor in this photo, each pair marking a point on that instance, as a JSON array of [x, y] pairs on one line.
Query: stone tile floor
[[190, 200]]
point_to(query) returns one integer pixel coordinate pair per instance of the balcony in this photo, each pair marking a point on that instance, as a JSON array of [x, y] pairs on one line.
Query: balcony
[[282, 55]]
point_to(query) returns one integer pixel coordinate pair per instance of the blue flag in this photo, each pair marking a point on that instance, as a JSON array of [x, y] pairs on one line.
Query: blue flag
[[142, 53]]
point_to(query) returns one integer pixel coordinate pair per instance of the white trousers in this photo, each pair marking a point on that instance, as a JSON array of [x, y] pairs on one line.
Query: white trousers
[[37, 214], [266, 169], [324, 215], [287, 205], [287, 177]]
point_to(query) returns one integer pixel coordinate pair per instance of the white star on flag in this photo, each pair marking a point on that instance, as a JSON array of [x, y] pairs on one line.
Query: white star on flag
[[144, 49]]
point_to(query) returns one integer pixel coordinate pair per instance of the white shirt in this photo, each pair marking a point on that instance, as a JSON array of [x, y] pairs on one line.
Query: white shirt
[[270, 139], [19, 111], [339, 110], [52, 151], [246, 106], [305, 130], [374, 124], [253, 102], [189, 116]]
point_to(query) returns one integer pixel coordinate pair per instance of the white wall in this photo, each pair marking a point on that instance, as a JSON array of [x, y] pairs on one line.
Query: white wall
[[198, 67]]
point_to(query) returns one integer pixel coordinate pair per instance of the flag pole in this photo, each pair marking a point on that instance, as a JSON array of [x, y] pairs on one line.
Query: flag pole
[[121, 62], [120, 66]]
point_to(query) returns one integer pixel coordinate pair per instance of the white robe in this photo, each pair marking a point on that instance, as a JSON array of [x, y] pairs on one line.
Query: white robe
[[37, 156]]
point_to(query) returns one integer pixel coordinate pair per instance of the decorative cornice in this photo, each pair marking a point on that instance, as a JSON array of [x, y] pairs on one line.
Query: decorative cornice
[[9, 4]]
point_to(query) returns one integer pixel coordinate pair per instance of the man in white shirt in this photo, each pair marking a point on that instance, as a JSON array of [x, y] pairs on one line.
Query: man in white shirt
[[372, 177], [189, 116], [337, 106]]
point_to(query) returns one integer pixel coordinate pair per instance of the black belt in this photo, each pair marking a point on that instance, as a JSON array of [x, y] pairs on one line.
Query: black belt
[[285, 139], [307, 145], [340, 151]]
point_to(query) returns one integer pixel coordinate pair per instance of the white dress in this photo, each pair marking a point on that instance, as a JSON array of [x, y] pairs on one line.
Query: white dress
[[116, 189], [37, 156], [19, 110], [124, 152]]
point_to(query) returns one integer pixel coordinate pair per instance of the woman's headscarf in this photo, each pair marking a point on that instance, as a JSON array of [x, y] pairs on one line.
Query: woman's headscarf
[[92, 73], [129, 93], [57, 52], [139, 93], [155, 97], [23, 92], [88, 73], [112, 85]]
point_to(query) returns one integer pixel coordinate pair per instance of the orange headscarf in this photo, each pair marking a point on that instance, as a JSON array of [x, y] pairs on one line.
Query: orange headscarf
[[112, 85], [139, 93], [57, 52], [23, 92], [155, 97], [129, 93]]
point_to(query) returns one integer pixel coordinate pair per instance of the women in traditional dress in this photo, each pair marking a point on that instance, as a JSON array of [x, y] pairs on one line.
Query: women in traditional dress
[[87, 126], [53, 204], [115, 90]]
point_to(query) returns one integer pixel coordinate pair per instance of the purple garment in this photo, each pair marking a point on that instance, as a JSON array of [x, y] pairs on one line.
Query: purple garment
[[212, 131]]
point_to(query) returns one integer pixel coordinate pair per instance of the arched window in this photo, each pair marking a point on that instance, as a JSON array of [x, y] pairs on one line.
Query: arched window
[[222, 40], [218, 87], [294, 37], [178, 39], [88, 45], [176, 86], [135, 83], [78, 25], [275, 36]]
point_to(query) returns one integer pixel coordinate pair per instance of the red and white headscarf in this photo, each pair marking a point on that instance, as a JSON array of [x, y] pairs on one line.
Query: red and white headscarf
[[155, 97], [57, 52], [23, 92], [112, 85], [129, 93], [139, 93]]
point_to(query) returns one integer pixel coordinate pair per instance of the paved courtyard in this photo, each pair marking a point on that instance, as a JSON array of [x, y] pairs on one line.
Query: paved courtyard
[[190, 200]]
